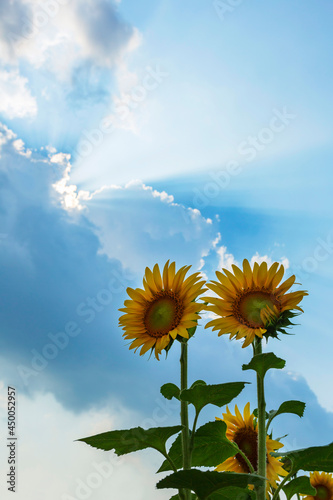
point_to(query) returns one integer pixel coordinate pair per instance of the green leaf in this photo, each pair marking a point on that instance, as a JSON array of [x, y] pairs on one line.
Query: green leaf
[[255, 413], [211, 447], [233, 493], [127, 441], [176, 454], [263, 362], [218, 395], [177, 497], [207, 483], [309, 459], [170, 391], [198, 382], [296, 407], [299, 485]]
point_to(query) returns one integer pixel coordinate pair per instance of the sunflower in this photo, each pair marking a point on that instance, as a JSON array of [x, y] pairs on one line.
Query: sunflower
[[251, 303], [324, 485], [244, 432], [163, 310]]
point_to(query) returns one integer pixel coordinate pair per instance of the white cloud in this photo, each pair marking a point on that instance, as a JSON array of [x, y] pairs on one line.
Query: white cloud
[[72, 470], [101, 248], [59, 34], [16, 100], [264, 258], [217, 240], [137, 216], [5, 135], [225, 259], [74, 47]]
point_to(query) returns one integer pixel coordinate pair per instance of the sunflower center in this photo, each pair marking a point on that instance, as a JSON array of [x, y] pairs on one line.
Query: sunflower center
[[249, 305], [246, 439], [322, 493], [163, 313]]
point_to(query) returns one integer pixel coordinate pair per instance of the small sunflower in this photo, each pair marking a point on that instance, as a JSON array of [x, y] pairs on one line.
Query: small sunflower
[[163, 310], [244, 432], [251, 303], [323, 482]]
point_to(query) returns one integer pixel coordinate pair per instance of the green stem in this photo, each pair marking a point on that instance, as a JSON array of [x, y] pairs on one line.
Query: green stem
[[193, 432], [262, 453], [251, 469], [169, 459], [283, 482], [184, 414]]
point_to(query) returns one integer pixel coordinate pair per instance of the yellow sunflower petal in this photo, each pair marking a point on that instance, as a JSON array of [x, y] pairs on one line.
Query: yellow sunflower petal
[[247, 413], [285, 285], [248, 301], [224, 280], [323, 480], [174, 333], [232, 279], [148, 345], [271, 273], [255, 273], [249, 339], [179, 278], [239, 275], [149, 291], [166, 276], [278, 277], [262, 274], [137, 295], [242, 430], [248, 272], [150, 280], [171, 274], [157, 277], [164, 308]]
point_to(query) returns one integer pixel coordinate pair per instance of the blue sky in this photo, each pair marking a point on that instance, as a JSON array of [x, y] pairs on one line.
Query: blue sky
[[136, 133]]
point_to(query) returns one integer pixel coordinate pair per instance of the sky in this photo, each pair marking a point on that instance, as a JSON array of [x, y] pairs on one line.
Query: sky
[[132, 133]]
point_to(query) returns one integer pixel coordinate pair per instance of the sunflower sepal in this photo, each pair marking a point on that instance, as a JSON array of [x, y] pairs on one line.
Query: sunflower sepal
[[279, 439], [191, 331], [167, 348], [279, 325]]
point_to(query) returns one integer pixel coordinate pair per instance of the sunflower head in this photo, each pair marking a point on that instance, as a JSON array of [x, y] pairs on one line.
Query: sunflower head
[[323, 482], [165, 309], [242, 430], [253, 302]]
